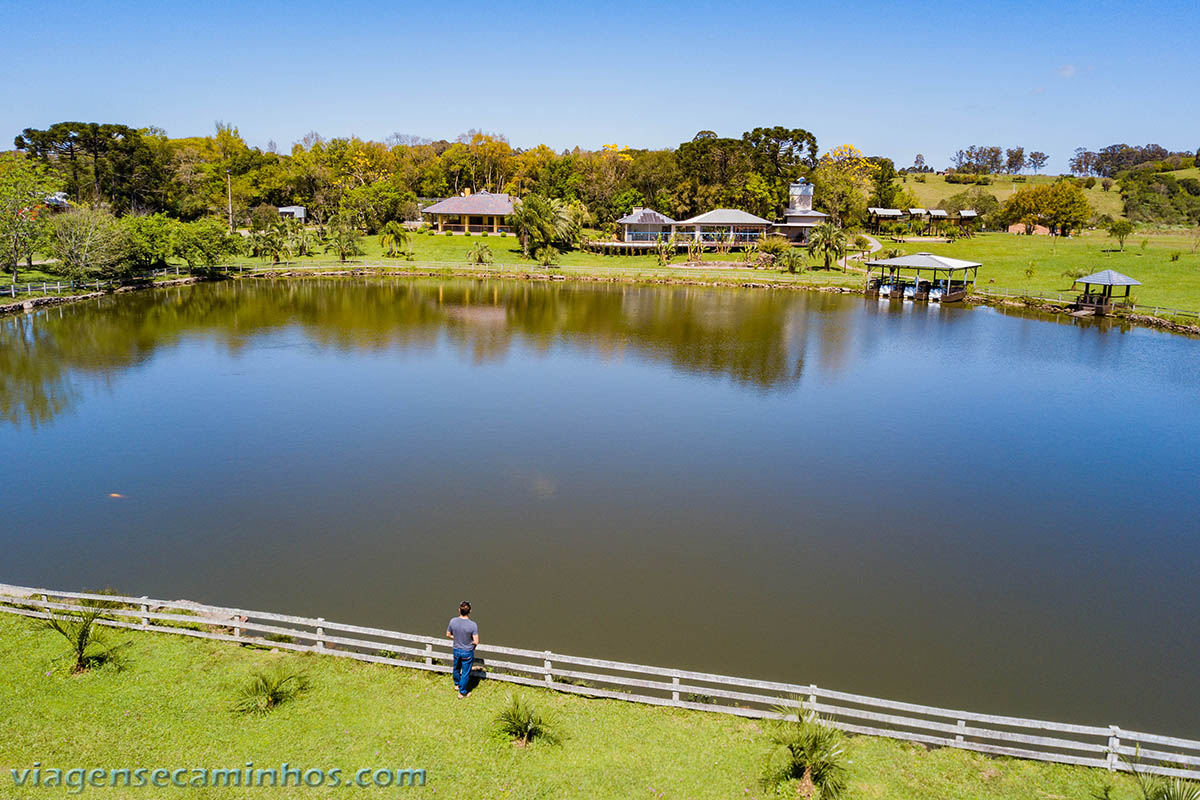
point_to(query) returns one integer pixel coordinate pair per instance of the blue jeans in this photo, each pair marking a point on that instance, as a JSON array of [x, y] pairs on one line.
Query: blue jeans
[[463, 659]]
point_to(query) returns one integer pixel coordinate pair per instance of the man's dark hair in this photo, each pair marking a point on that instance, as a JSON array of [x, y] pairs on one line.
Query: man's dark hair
[[464, 608]]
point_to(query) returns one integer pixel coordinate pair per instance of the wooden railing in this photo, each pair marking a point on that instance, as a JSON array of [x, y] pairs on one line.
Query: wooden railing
[[1109, 747]]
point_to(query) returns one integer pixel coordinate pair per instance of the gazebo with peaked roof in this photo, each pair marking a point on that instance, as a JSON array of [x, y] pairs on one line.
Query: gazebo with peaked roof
[[1101, 299], [922, 276], [645, 225]]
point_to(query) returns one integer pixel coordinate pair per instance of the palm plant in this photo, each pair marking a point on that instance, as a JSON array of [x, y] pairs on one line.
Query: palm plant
[[809, 752], [792, 261], [267, 690], [344, 238], [547, 256], [695, 250], [521, 723], [829, 241], [479, 253], [82, 631], [393, 239], [301, 241], [665, 248]]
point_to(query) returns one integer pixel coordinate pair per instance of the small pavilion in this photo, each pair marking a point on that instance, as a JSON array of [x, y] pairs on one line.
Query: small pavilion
[[723, 225], [922, 276], [1098, 294], [645, 225], [878, 216]]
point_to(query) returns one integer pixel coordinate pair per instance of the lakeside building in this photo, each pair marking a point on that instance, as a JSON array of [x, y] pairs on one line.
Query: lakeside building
[[1098, 297], [293, 212], [799, 217], [482, 212], [723, 225], [645, 225], [921, 276]]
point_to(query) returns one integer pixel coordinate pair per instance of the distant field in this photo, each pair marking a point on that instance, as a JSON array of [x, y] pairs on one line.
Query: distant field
[[1006, 257], [935, 190]]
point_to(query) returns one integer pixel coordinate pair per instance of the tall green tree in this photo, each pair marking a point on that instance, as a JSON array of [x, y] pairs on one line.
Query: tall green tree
[[88, 241], [540, 221], [24, 186]]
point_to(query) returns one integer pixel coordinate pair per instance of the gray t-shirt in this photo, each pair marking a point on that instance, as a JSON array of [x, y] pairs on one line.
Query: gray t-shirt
[[463, 630]]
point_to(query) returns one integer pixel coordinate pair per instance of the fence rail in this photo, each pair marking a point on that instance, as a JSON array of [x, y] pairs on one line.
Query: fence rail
[[1070, 297], [1109, 747]]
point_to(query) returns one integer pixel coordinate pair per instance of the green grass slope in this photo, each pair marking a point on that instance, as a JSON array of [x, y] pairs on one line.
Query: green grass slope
[[934, 190], [170, 707]]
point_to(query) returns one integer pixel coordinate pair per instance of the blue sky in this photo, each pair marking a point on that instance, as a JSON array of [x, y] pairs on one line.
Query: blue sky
[[892, 78]]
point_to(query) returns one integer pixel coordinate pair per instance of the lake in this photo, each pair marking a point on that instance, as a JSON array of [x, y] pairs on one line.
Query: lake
[[951, 506]]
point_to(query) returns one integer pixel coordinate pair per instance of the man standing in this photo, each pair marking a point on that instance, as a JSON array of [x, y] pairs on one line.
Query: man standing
[[465, 633]]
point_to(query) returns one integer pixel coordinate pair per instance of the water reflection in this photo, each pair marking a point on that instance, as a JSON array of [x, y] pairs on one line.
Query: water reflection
[[751, 338]]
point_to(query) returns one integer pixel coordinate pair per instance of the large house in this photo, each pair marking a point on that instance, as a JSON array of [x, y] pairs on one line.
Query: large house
[[482, 212]]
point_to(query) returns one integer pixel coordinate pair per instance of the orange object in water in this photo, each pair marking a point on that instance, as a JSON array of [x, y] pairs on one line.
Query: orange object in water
[[114, 494]]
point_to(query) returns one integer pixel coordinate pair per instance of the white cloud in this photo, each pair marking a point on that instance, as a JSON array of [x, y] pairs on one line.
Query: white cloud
[[1067, 71]]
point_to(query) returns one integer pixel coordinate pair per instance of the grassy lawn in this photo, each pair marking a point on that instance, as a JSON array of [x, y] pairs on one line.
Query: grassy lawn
[[935, 189], [1174, 284], [170, 707], [1005, 257]]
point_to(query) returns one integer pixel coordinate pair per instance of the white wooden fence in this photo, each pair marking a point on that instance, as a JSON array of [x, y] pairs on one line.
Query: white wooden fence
[[1109, 747]]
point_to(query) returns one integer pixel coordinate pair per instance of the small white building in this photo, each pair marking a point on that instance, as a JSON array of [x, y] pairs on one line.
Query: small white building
[[294, 212], [799, 217], [723, 225], [645, 225]]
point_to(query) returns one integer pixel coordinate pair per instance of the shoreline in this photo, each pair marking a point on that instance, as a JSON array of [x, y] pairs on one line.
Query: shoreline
[[522, 274]]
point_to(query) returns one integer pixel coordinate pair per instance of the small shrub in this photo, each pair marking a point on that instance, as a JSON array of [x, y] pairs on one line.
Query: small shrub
[[1175, 254], [266, 691], [82, 631], [449, 233], [919, 178], [280, 637], [807, 754], [480, 254], [503, 234], [484, 233], [1106, 184], [519, 722], [547, 256], [104, 603]]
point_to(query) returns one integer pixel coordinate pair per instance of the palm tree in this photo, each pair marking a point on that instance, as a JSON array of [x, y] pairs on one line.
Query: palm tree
[[393, 238], [829, 240], [539, 221], [343, 237]]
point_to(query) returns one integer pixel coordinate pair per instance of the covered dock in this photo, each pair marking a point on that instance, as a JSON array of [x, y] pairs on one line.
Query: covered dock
[[1099, 295], [921, 276]]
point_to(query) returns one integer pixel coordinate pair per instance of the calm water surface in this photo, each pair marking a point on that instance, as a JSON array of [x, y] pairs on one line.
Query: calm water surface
[[941, 505]]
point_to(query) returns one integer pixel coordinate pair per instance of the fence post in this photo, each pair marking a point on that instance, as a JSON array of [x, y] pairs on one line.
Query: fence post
[[546, 665], [145, 610], [429, 655], [320, 643], [962, 723], [675, 692], [812, 695], [1114, 745]]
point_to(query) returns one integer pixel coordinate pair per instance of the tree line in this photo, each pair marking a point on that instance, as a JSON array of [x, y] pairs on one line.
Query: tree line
[[146, 171]]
